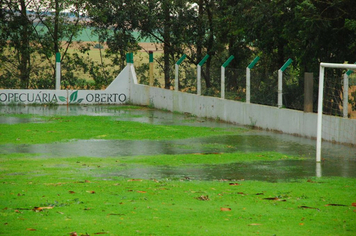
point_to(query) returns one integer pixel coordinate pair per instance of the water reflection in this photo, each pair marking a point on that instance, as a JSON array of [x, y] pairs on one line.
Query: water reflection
[[265, 171], [249, 142], [318, 170]]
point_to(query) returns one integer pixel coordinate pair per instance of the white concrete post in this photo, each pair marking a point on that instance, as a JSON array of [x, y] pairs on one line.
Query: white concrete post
[[346, 92], [248, 78], [199, 80], [280, 80], [176, 85], [223, 82], [346, 95], [58, 71], [150, 60], [176, 80], [199, 73], [248, 85], [226, 63]]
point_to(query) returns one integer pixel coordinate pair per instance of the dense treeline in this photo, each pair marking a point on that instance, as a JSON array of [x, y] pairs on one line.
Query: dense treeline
[[307, 31]]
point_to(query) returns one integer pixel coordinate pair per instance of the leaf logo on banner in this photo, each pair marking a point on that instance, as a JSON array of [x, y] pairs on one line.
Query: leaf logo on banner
[[72, 99], [73, 96]]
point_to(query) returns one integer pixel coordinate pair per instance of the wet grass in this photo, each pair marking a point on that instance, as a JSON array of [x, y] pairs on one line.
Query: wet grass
[[206, 158], [65, 128], [60, 196], [57, 196]]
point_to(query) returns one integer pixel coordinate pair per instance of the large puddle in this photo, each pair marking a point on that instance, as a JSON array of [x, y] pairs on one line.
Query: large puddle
[[273, 171], [339, 160]]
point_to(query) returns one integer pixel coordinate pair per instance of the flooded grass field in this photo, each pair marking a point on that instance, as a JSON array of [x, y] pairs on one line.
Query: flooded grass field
[[338, 160], [127, 170]]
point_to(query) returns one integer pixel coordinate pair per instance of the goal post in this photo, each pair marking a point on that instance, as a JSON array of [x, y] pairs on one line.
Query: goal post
[[324, 65]]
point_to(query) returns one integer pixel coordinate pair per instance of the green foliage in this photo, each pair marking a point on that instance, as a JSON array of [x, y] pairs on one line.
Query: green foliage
[[308, 31], [31, 40]]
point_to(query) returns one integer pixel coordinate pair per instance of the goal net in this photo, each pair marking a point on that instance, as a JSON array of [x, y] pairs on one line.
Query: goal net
[[335, 105]]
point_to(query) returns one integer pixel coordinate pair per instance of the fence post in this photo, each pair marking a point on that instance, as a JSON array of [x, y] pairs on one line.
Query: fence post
[[199, 73], [150, 59], [176, 80], [58, 71], [346, 92], [320, 110], [280, 81], [129, 58], [226, 63], [308, 92], [248, 78]]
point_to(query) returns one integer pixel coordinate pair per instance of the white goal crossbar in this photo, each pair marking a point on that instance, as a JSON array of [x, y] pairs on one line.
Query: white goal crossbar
[[324, 65]]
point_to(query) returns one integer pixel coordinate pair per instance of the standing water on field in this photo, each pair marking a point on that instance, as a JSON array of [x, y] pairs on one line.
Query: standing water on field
[[339, 160]]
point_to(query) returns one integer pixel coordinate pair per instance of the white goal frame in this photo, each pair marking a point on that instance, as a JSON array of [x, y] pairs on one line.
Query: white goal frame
[[324, 65]]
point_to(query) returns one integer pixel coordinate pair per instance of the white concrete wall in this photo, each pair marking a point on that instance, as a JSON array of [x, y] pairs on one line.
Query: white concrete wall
[[288, 121]]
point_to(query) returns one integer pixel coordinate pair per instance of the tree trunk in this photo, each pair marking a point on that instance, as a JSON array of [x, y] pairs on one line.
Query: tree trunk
[[55, 31], [200, 33], [24, 50], [210, 45], [55, 34], [231, 80], [166, 46]]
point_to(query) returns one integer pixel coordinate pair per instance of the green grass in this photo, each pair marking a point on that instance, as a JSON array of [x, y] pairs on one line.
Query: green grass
[[206, 159], [82, 201], [64, 128], [81, 194]]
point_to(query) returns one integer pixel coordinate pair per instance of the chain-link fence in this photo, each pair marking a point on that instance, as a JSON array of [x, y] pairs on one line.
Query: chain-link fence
[[263, 86]]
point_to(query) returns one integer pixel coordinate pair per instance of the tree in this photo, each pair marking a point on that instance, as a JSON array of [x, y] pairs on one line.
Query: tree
[[232, 35], [35, 31], [18, 63], [308, 31], [166, 22], [115, 21]]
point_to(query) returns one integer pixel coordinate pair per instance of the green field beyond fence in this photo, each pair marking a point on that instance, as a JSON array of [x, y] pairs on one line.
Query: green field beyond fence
[[88, 35]]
